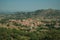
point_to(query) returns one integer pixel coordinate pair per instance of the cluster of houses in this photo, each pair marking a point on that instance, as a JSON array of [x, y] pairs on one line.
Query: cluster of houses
[[28, 22], [31, 23]]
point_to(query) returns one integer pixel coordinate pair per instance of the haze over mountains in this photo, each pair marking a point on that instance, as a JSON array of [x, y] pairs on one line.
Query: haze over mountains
[[48, 13]]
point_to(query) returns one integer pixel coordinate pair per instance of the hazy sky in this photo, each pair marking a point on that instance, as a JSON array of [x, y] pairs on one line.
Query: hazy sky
[[28, 5]]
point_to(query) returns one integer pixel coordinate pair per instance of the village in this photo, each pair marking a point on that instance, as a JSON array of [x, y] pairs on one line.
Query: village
[[30, 24]]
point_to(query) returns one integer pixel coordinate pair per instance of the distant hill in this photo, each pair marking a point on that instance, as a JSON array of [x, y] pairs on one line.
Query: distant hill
[[47, 13], [39, 13]]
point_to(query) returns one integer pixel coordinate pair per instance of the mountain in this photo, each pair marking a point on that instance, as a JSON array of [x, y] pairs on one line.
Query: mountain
[[52, 13], [47, 13]]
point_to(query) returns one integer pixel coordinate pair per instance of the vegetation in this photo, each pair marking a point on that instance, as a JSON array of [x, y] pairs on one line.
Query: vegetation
[[13, 34]]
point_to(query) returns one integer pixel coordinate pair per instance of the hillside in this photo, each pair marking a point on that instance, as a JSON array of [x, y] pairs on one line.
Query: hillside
[[38, 13], [33, 18], [35, 25]]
